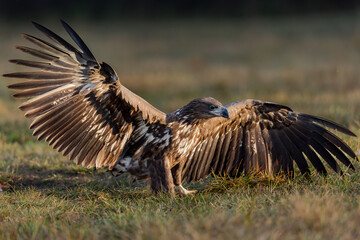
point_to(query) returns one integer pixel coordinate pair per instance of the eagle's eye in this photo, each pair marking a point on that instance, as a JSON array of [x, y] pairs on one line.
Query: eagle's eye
[[212, 107]]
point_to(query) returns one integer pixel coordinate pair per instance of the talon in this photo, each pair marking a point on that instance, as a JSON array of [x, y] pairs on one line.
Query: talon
[[184, 191]]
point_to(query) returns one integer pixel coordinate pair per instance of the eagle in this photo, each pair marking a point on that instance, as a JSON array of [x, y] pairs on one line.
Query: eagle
[[79, 106]]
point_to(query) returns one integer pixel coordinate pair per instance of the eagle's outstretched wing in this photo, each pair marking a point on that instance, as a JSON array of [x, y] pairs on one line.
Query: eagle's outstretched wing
[[78, 104], [264, 136]]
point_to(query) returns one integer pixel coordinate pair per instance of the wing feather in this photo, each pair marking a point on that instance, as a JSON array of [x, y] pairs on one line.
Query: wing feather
[[39, 75], [335, 140], [56, 55], [248, 153], [232, 151], [310, 154], [326, 123], [239, 156], [188, 164], [78, 104], [218, 154], [38, 84], [195, 162], [319, 148], [51, 120], [334, 150], [223, 153], [260, 149], [35, 92], [65, 126], [210, 155], [53, 36], [292, 144], [79, 41], [44, 66], [199, 161], [264, 136], [283, 160], [202, 167]]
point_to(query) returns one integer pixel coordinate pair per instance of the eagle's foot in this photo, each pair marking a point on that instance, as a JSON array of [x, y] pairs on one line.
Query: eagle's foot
[[183, 191]]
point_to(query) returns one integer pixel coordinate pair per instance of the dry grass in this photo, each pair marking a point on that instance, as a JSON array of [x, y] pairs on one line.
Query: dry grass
[[311, 64]]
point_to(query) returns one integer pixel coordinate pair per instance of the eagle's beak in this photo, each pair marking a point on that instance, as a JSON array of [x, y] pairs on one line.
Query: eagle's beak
[[222, 112]]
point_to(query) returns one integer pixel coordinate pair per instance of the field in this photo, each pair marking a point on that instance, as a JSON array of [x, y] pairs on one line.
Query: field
[[308, 63]]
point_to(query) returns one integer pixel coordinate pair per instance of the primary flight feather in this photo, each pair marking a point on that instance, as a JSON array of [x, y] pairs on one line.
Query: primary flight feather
[[81, 109]]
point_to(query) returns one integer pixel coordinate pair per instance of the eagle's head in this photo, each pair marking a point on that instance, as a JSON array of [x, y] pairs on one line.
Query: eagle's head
[[202, 108]]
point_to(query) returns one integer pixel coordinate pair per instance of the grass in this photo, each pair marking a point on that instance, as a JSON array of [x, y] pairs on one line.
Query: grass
[[310, 64]]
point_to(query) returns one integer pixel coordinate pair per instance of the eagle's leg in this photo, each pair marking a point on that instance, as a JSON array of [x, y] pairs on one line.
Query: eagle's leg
[[177, 176], [160, 174]]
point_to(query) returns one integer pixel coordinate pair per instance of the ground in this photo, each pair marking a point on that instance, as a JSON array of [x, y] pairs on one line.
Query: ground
[[308, 63]]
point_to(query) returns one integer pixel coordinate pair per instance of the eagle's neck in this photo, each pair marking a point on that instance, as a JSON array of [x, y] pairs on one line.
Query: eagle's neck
[[184, 116]]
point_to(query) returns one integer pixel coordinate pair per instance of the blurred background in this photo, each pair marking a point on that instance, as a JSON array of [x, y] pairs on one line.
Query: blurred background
[[149, 9], [304, 54]]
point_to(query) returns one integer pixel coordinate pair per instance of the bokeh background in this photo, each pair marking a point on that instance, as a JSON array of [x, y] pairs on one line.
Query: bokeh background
[[301, 53], [149, 9], [304, 54]]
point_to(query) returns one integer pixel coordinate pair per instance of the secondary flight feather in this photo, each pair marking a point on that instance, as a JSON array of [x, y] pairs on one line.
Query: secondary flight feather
[[79, 106]]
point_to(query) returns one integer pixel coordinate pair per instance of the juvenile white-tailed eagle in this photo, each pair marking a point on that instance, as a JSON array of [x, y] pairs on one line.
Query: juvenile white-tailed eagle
[[80, 108]]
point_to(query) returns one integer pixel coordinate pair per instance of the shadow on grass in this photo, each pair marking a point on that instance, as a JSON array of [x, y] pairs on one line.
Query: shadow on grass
[[70, 182], [73, 178], [74, 183]]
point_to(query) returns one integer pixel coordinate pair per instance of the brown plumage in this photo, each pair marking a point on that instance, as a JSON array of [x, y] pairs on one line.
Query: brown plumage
[[80, 108]]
